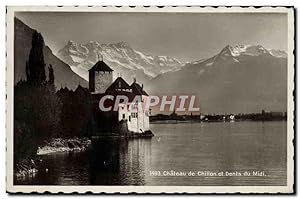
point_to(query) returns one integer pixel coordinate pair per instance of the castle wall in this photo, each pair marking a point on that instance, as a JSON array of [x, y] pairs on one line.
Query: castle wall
[[137, 117], [102, 81], [145, 120]]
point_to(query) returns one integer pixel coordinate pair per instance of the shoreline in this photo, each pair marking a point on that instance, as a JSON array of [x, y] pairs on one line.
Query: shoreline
[[130, 135], [209, 121], [56, 145], [28, 168]]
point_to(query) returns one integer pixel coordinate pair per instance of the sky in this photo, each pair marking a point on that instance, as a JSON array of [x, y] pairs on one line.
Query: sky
[[186, 36]]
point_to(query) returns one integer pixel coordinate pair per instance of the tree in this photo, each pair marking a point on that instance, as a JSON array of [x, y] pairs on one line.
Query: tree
[[35, 66], [75, 103], [51, 78], [51, 74], [37, 108]]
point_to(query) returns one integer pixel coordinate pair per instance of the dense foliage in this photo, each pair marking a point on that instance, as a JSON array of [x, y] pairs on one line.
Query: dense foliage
[[41, 113]]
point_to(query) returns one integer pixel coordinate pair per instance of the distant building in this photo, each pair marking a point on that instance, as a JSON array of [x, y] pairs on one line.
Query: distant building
[[231, 117], [131, 116]]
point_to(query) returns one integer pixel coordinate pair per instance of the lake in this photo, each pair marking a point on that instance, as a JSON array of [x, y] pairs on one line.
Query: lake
[[203, 149]]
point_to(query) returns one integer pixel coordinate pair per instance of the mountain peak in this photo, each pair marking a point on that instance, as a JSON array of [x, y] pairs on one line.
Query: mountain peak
[[94, 43], [71, 43], [120, 56], [122, 44], [250, 50], [278, 53], [226, 51]]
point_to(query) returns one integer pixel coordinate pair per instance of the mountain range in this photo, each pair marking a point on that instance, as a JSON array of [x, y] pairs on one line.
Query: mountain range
[[64, 76], [238, 79], [241, 78], [121, 57]]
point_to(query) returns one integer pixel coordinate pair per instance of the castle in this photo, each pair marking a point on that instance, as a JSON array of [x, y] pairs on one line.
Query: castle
[[131, 118]]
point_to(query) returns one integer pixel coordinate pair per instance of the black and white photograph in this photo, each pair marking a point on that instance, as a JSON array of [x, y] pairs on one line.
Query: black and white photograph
[[150, 100]]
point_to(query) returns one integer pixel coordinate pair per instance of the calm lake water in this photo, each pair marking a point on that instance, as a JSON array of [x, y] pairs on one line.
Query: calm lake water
[[183, 147]]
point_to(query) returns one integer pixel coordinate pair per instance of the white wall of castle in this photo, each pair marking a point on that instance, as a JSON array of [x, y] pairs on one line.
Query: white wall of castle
[[137, 116], [102, 81]]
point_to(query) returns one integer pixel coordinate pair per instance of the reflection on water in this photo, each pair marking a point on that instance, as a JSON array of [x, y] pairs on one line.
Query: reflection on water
[[119, 161], [214, 147]]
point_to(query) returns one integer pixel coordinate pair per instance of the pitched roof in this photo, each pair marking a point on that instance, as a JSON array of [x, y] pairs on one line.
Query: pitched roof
[[119, 83], [101, 66], [137, 89], [97, 97]]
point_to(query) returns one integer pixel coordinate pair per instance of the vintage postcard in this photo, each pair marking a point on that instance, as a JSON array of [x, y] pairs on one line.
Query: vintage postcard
[[150, 99]]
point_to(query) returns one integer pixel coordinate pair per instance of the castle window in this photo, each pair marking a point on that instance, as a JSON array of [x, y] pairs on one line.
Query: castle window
[[123, 116], [129, 118], [134, 115]]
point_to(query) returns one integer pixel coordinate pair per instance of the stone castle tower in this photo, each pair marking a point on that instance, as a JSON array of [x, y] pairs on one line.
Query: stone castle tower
[[100, 77]]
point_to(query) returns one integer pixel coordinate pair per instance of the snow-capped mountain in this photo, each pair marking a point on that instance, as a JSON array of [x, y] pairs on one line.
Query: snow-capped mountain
[[237, 53], [241, 78], [233, 53], [251, 50], [123, 59]]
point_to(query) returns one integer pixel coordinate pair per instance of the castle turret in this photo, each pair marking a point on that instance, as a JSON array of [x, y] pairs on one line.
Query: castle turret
[[100, 77]]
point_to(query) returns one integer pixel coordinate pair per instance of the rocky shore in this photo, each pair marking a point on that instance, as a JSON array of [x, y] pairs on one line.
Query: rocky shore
[[64, 145], [26, 168], [29, 167]]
